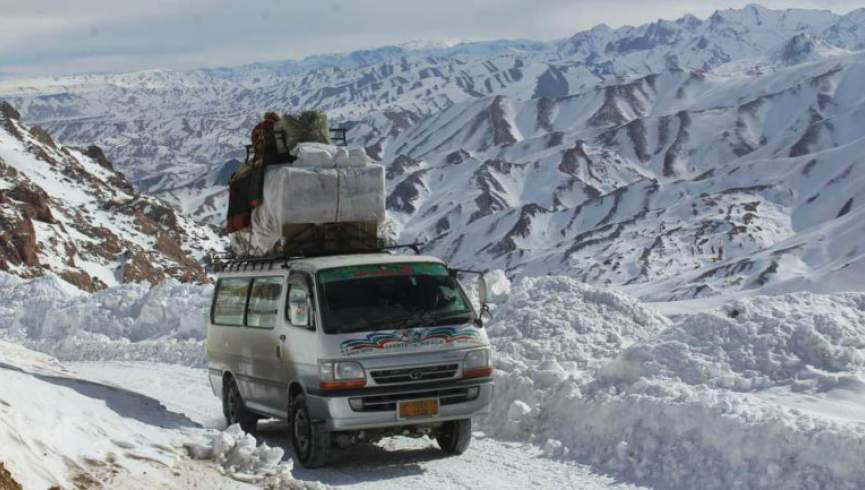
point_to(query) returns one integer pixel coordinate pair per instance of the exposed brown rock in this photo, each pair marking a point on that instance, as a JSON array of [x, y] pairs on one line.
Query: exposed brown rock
[[98, 156], [187, 274], [83, 280], [7, 115], [78, 239], [161, 215], [110, 245], [139, 268], [6, 170], [42, 136], [18, 242], [70, 251], [6, 480], [170, 248], [404, 195], [145, 224], [9, 112], [571, 158], [34, 201], [401, 165], [457, 157]]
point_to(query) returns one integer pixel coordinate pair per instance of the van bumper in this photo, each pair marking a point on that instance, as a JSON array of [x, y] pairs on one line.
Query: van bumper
[[377, 406]]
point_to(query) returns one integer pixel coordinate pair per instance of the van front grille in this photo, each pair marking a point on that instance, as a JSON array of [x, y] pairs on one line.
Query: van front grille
[[383, 403], [408, 375]]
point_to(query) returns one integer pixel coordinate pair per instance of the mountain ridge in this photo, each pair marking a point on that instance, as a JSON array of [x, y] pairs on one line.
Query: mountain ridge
[[533, 156]]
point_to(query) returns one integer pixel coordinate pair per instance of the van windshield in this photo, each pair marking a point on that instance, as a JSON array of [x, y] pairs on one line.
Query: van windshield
[[391, 296]]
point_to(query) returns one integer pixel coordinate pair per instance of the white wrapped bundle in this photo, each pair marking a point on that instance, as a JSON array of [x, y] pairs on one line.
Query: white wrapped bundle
[[308, 195], [316, 155], [328, 156]]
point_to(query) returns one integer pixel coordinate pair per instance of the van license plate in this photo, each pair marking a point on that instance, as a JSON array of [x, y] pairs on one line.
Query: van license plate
[[418, 408]]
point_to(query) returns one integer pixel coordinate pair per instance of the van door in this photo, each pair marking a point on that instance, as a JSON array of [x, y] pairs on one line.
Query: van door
[[264, 358], [301, 345]]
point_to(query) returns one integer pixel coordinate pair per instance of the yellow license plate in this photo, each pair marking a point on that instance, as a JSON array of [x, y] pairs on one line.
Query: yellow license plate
[[418, 408]]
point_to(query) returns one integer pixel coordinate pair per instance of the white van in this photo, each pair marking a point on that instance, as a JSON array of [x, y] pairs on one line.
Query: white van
[[349, 348]]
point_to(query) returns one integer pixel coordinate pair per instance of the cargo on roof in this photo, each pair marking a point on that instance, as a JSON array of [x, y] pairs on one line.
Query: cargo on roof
[[299, 194]]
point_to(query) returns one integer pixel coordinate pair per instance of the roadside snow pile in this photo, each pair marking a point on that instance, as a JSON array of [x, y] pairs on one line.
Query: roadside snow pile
[[239, 457], [59, 430], [767, 392], [550, 331], [805, 341], [128, 322]]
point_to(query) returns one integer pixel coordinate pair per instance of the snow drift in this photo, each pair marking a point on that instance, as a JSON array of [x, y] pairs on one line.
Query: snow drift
[[69, 431], [765, 393], [165, 323], [547, 333], [239, 456]]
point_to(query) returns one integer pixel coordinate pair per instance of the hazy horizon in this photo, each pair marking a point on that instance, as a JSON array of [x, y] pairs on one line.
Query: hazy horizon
[[51, 37]]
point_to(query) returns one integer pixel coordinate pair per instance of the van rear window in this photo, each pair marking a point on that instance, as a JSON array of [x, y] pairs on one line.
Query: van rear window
[[229, 302]]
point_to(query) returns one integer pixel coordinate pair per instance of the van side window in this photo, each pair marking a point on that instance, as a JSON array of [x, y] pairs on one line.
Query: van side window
[[229, 303], [264, 302], [300, 298]]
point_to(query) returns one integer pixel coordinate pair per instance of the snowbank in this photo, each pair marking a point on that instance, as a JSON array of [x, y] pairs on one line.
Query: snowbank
[[68, 430], [129, 322], [240, 457], [552, 330], [767, 392], [806, 341]]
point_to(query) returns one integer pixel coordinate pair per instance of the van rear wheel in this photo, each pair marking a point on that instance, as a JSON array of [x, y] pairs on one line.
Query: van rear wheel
[[311, 440], [454, 436], [235, 410]]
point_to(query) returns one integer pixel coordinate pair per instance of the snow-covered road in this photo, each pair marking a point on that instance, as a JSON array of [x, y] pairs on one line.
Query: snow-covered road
[[395, 463]]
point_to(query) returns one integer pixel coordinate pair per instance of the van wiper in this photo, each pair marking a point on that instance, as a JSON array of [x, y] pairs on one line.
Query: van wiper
[[449, 318], [415, 319]]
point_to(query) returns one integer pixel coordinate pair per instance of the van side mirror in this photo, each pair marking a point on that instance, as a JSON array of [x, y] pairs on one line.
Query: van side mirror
[[484, 298], [483, 292], [298, 307]]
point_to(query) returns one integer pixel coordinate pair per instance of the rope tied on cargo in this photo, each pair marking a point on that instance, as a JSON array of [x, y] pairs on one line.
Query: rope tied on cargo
[[338, 192]]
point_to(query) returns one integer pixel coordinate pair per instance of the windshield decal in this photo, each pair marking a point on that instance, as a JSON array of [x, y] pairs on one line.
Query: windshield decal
[[381, 270], [404, 339]]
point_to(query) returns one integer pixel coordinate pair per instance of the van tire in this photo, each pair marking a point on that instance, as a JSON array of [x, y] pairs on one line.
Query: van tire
[[310, 440], [234, 408], [454, 436]]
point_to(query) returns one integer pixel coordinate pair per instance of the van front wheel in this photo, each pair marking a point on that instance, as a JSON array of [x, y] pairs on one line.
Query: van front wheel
[[235, 410], [454, 436], [311, 440]]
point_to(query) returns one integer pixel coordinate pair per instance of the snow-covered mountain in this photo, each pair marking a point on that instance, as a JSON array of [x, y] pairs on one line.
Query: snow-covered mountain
[[164, 128], [67, 211], [702, 181], [701, 155]]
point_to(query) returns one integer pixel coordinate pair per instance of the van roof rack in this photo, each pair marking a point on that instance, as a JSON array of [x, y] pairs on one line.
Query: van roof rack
[[338, 136], [228, 261]]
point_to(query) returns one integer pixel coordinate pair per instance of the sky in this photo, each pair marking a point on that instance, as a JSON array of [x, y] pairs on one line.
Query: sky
[[55, 37]]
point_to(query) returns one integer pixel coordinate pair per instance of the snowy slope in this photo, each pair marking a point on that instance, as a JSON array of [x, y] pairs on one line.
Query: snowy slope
[[681, 159], [706, 156], [192, 121], [677, 185], [67, 211]]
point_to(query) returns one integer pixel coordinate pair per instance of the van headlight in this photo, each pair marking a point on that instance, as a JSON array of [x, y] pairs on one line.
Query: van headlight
[[477, 364], [341, 375]]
